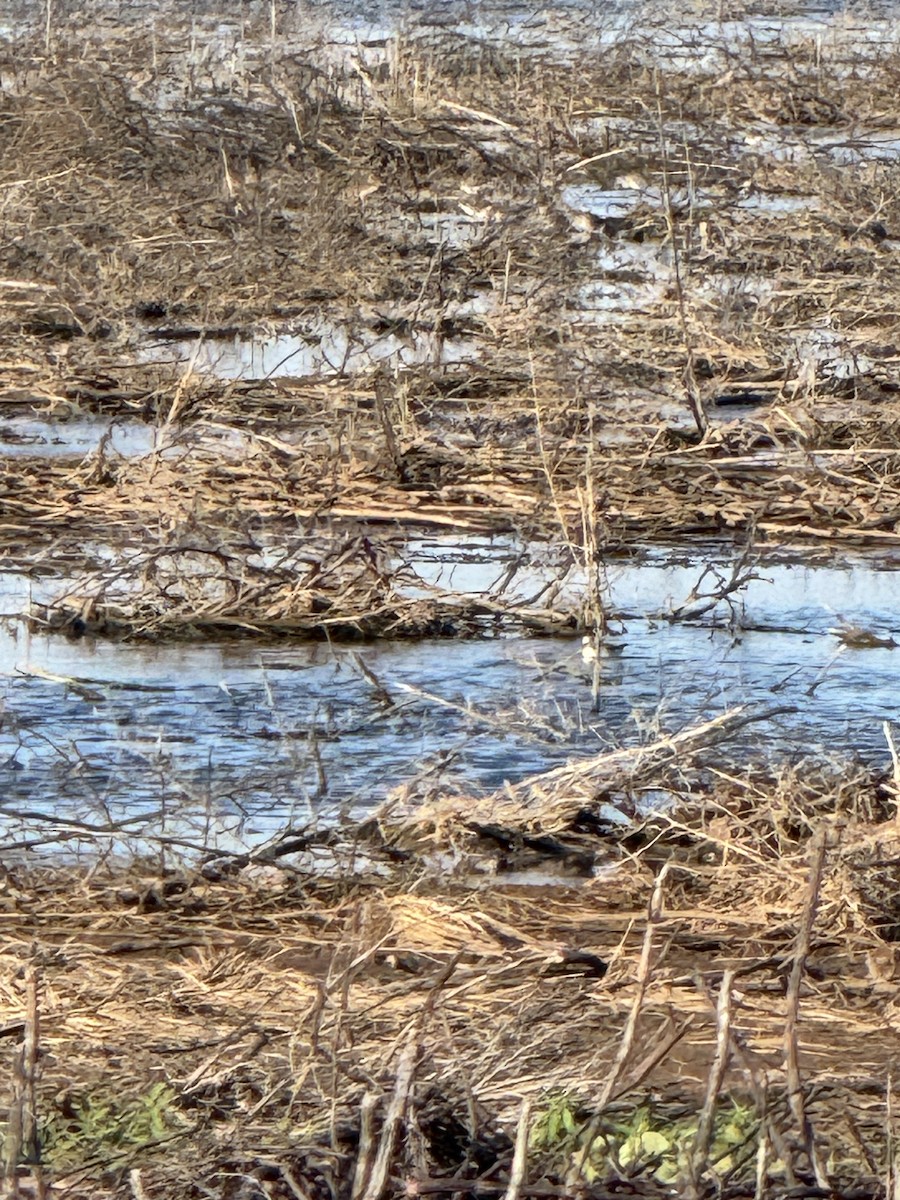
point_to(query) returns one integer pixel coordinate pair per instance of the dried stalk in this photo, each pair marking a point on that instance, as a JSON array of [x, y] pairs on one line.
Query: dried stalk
[[699, 1159], [689, 374], [549, 799], [626, 1041], [368, 1147], [22, 1145], [517, 1174], [792, 1015], [384, 1157]]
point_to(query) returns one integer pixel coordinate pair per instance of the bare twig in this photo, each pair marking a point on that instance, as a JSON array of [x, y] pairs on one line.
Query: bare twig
[[517, 1174], [792, 1015], [365, 1155], [22, 1130], [700, 1153], [626, 1041], [381, 1166]]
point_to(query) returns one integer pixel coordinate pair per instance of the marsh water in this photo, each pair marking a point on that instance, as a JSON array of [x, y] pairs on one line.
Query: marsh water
[[234, 740]]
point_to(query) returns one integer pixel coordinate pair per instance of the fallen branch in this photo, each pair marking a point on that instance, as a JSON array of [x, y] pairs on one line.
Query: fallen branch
[[550, 800]]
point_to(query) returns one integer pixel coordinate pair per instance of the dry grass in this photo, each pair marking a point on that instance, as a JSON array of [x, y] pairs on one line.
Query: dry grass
[[266, 1003], [257, 1028], [256, 187]]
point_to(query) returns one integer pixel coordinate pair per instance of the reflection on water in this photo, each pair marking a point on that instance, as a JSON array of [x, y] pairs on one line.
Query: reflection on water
[[245, 738], [327, 351], [124, 437]]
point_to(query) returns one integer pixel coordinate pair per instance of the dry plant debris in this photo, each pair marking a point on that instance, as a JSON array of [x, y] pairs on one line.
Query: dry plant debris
[[528, 276], [552, 276], [253, 1028]]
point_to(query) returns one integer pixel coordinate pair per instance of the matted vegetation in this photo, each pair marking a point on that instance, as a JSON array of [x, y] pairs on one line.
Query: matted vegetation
[[436, 190], [712, 1011], [584, 257]]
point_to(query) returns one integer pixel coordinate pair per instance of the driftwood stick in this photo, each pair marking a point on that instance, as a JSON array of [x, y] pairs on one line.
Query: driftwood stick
[[791, 1055], [396, 1110], [550, 798], [520, 1155]]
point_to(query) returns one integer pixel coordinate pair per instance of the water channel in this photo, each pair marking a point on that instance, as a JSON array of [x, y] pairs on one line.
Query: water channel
[[238, 739]]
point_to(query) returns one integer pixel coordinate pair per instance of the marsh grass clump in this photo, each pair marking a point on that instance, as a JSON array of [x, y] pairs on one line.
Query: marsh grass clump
[[93, 1126], [649, 1140], [572, 283], [522, 260], [706, 1012]]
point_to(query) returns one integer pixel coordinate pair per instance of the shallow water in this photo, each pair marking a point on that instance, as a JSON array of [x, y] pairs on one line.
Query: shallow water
[[322, 352], [123, 437], [227, 742]]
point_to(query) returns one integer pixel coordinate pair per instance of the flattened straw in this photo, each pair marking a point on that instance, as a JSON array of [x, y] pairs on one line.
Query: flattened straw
[[801, 953], [520, 1155]]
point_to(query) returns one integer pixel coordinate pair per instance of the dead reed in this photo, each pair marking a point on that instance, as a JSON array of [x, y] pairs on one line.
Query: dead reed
[[254, 1020], [437, 192], [701, 999]]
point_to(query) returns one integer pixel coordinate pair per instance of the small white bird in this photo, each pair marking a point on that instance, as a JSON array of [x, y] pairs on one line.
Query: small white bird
[[588, 649]]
